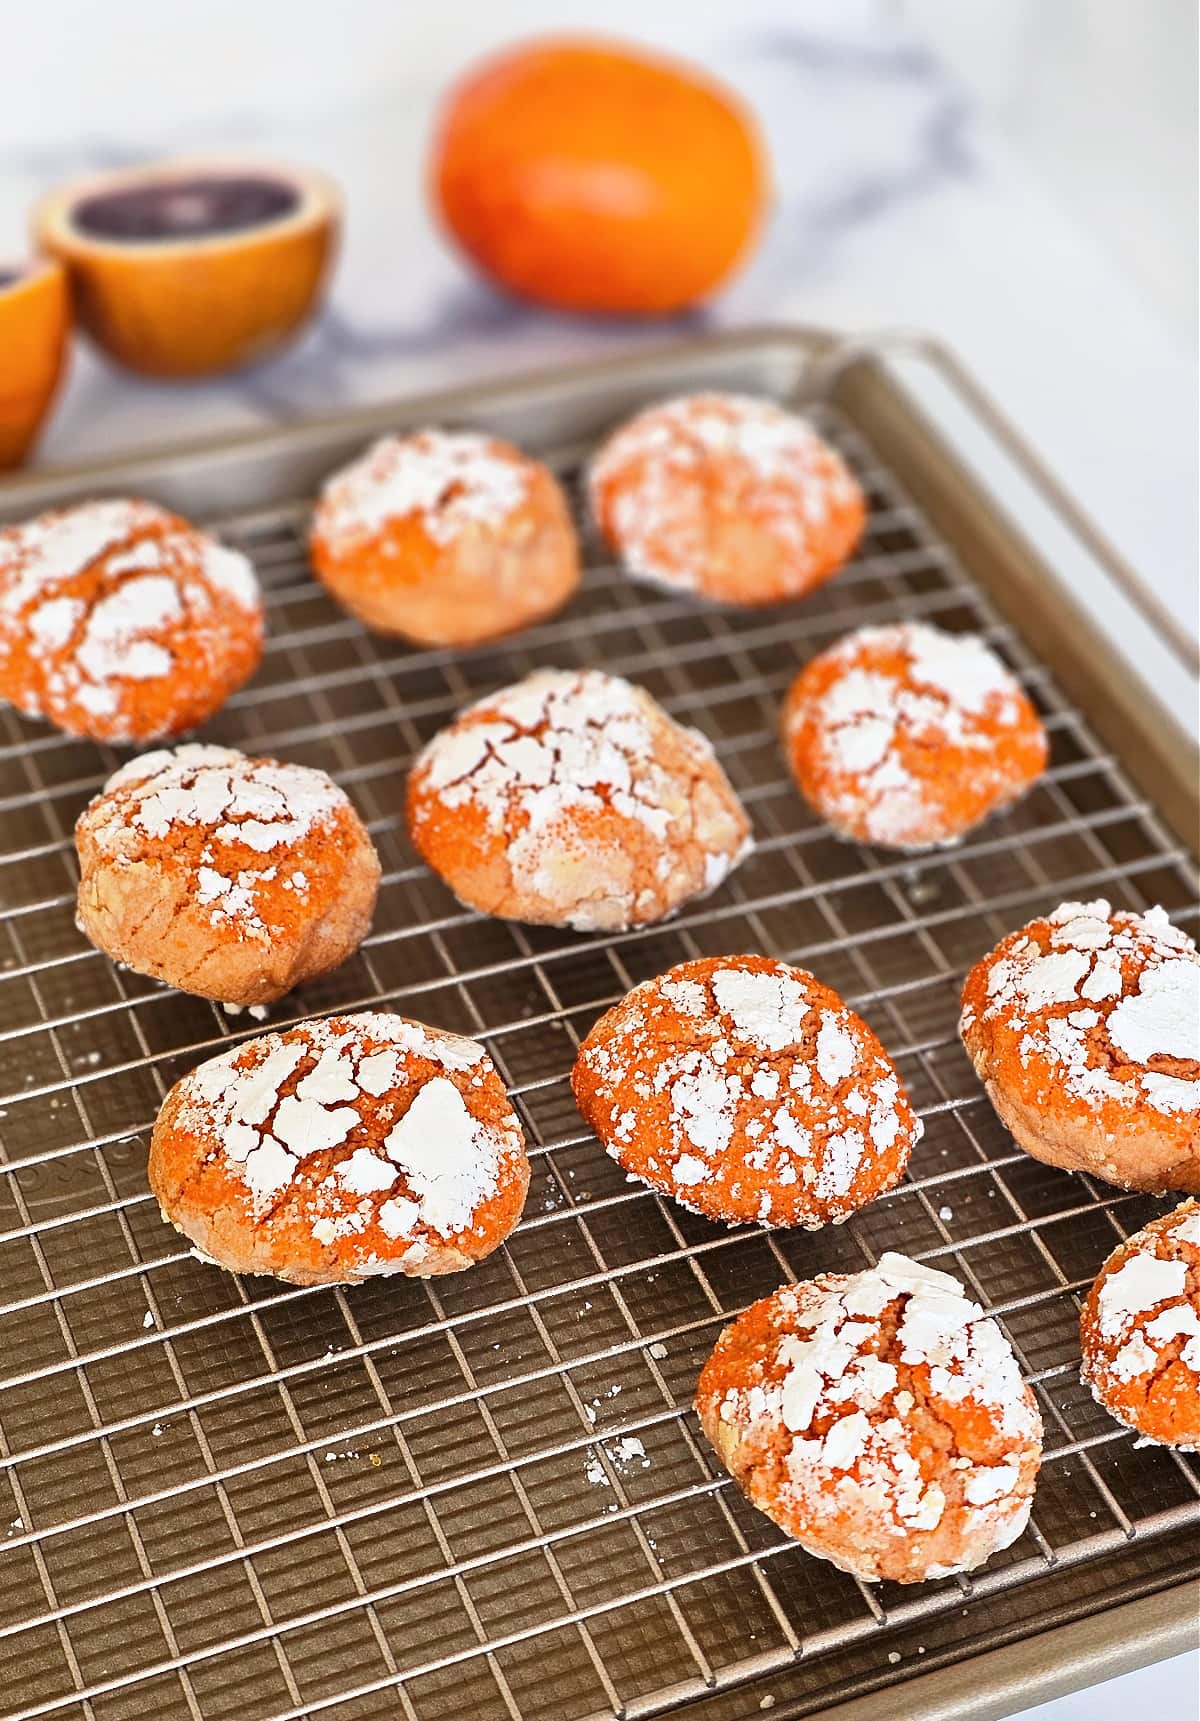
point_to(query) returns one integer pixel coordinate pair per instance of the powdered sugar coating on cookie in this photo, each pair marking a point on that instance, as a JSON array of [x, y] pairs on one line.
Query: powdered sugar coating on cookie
[[446, 479], [120, 620], [1140, 1331], [746, 1090], [234, 804], [221, 873], [446, 538], [571, 798], [907, 736], [1108, 1003], [343, 1149], [1085, 1026], [880, 1418], [727, 495]]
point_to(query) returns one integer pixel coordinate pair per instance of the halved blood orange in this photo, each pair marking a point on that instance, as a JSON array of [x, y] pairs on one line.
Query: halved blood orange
[[189, 267]]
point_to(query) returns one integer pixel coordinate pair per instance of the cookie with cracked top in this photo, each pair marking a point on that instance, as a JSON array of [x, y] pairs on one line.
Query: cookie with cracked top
[[341, 1150], [880, 1418], [123, 622], [908, 737], [746, 1090], [446, 538], [1140, 1331], [728, 496], [572, 799], [232, 878], [1084, 1027]]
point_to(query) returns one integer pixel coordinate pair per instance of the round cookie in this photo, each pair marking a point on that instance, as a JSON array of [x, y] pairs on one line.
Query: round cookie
[[907, 737], [879, 1418], [342, 1149], [1084, 1027], [446, 538], [572, 799], [232, 878], [746, 1090], [1140, 1331], [121, 622], [726, 496]]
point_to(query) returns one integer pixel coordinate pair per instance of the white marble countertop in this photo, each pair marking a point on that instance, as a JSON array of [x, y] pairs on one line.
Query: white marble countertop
[[894, 206]]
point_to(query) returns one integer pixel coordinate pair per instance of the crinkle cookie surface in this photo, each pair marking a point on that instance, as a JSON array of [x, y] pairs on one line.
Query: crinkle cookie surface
[[728, 496], [1085, 1027], [907, 737], [746, 1090], [1140, 1330], [230, 877], [880, 1418], [123, 622], [341, 1149], [572, 799]]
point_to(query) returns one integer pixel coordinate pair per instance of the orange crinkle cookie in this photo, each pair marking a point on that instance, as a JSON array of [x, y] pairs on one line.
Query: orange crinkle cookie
[[746, 1090], [123, 622], [1084, 1027], [907, 737], [446, 538], [880, 1418], [343, 1149], [726, 496], [1140, 1331], [229, 877], [572, 799]]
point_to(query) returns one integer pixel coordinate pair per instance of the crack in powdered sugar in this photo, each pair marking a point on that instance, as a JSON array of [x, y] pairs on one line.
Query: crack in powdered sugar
[[448, 480], [866, 1452], [166, 581], [785, 476], [433, 1167], [239, 803], [1131, 980], [557, 745]]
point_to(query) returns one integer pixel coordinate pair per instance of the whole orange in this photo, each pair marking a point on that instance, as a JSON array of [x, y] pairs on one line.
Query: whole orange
[[596, 177]]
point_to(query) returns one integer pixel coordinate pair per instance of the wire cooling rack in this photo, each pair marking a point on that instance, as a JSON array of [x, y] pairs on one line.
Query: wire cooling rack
[[487, 1496]]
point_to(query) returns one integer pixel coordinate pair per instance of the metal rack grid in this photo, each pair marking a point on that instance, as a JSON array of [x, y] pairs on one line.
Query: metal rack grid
[[487, 1495]]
